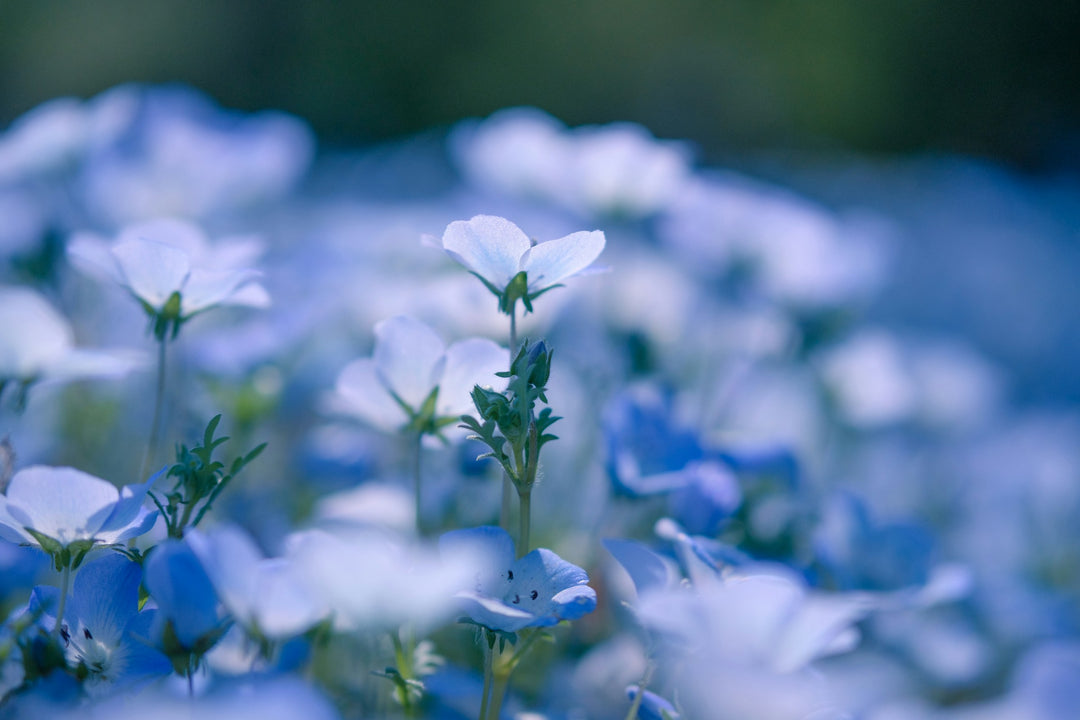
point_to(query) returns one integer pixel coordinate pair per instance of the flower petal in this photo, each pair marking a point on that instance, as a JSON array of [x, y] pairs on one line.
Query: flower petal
[[469, 363], [408, 358], [555, 260], [106, 596], [490, 246], [361, 394], [152, 271], [61, 502]]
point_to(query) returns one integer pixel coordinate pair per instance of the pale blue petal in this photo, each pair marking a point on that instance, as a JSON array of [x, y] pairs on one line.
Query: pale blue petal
[[555, 260], [106, 595], [408, 358], [206, 288], [360, 393], [61, 502], [92, 255], [647, 570], [231, 560], [492, 549], [151, 270], [490, 246], [468, 363]]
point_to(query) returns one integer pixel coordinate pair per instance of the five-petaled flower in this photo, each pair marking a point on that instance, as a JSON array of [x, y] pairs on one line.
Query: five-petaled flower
[[537, 590], [67, 512], [173, 271], [512, 266]]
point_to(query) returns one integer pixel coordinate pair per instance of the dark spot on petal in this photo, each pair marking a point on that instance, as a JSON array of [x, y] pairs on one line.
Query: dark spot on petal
[[86, 634], [65, 634], [509, 574], [517, 599], [533, 594]]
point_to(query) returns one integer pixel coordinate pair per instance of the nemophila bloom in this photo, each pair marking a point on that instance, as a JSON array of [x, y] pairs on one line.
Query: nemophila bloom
[[173, 270], [179, 154], [265, 595], [537, 590], [415, 381], [652, 707], [618, 169], [38, 344], [189, 617], [67, 512], [374, 580], [103, 629], [512, 266]]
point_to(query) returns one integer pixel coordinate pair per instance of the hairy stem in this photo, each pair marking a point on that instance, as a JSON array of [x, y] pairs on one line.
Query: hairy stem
[[65, 583]]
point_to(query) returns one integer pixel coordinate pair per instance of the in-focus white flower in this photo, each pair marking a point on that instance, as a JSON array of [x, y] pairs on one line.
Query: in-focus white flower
[[67, 512], [511, 265], [415, 381], [171, 268], [37, 344]]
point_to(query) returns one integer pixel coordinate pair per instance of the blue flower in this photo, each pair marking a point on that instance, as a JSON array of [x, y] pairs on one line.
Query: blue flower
[[537, 590], [103, 629], [414, 380], [189, 619], [67, 512]]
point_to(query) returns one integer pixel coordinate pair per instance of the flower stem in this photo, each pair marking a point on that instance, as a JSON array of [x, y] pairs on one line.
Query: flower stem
[[65, 583], [488, 652], [159, 401], [190, 677], [417, 453], [498, 690], [525, 505]]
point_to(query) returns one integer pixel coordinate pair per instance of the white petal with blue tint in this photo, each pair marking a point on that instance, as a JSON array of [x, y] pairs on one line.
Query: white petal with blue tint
[[408, 358], [489, 246], [469, 363], [553, 261], [153, 271]]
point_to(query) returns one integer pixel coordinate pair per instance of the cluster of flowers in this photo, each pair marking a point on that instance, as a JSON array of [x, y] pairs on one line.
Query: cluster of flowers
[[753, 502]]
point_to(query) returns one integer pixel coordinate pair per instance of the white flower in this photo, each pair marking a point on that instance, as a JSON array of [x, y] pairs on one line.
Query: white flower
[[160, 259], [498, 252], [66, 511], [414, 379], [37, 343]]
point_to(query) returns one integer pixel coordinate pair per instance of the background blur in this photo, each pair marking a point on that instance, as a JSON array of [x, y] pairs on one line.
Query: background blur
[[996, 78]]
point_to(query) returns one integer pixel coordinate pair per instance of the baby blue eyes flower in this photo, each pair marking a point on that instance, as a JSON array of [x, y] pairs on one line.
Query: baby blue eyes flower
[[170, 267], [414, 380], [67, 512], [103, 628], [37, 343], [511, 265], [189, 619], [537, 590]]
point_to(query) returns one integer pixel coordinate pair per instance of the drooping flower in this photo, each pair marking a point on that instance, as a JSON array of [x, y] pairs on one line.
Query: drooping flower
[[67, 512], [174, 272], [37, 344], [512, 266], [189, 619], [537, 590], [415, 381]]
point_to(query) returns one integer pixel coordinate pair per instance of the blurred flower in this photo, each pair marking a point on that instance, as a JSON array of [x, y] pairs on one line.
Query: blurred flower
[[67, 512], [652, 707], [372, 580], [189, 619], [537, 590], [264, 595], [511, 265], [170, 267], [37, 344], [415, 381], [179, 154]]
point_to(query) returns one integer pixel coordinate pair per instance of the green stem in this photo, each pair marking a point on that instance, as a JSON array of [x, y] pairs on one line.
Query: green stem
[[65, 583], [640, 696], [525, 504], [417, 452], [190, 677], [498, 690], [184, 520], [159, 401], [404, 670], [488, 652], [513, 332], [507, 502]]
